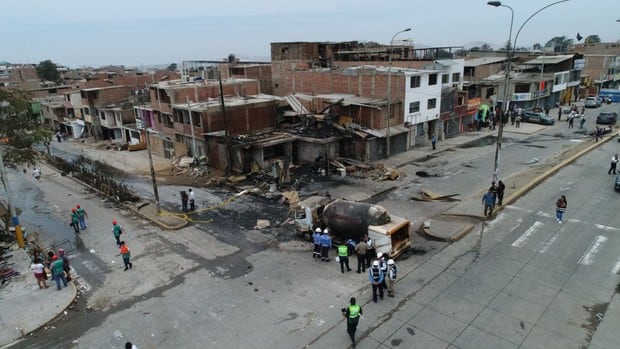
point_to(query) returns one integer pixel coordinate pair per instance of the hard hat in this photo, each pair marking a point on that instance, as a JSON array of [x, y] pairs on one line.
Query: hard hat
[[390, 261], [325, 231], [114, 222], [73, 210], [61, 251], [77, 206], [379, 255], [375, 263], [317, 230]]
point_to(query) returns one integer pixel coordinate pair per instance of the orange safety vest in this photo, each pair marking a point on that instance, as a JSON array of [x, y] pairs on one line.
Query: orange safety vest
[[124, 249]]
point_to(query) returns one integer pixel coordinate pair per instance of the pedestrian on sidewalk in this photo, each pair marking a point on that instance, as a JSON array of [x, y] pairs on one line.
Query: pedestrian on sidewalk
[[582, 121], [613, 164], [360, 253], [126, 254], [75, 221], [375, 276], [488, 200], [352, 313], [58, 273], [559, 113], [597, 133], [571, 120], [434, 140], [390, 278], [493, 190], [117, 230], [500, 192], [518, 121], [343, 257], [316, 238], [82, 215], [326, 244], [65, 263], [560, 208], [192, 205], [184, 199], [39, 273]]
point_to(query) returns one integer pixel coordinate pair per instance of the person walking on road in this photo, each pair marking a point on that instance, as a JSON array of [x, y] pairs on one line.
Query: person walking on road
[[560, 208], [130, 345], [613, 164], [360, 252], [560, 114], [352, 313], [493, 190], [75, 221], [316, 238], [518, 121], [192, 203], [184, 199], [501, 187], [36, 173], [383, 266], [582, 121], [375, 276], [434, 140], [343, 257], [488, 200], [390, 278], [82, 215], [117, 230], [326, 244], [58, 273], [126, 254], [571, 120]]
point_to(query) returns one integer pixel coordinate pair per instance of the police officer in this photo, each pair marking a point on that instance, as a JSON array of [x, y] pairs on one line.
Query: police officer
[[390, 278], [352, 313], [375, 276], [326, 244], [343, 256], [316, 238]]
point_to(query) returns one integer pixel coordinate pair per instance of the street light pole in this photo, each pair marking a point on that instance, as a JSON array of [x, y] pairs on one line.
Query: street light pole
[[19, 236], [389, 90], [153, 179], [510, 53]]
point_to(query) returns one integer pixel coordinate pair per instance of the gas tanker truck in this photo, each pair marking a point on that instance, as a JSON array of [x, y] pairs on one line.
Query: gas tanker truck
[[352, 220]]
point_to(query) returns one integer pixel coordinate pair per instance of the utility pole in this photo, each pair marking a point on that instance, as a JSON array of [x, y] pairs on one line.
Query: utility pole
[[226, 135], [191, 124], [155, 190], [19, 236]]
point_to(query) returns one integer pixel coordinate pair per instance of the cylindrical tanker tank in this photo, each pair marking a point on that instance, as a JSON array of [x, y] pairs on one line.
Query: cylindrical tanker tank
[[350, 220]]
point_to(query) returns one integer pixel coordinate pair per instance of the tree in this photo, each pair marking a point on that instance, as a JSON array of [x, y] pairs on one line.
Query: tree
[[537, 46], [475, 48], [48, 71], [18, 130], [486, 47], [591, 39], [559, 43], [172, 67]]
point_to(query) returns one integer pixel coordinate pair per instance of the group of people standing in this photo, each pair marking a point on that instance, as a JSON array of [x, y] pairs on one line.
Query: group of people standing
[[494, 196], [78, 219], [188, 197], [57, 264], [381, 271]]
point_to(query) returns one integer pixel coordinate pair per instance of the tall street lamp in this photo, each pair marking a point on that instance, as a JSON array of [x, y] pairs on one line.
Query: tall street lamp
[[389, 90], [509, 53]]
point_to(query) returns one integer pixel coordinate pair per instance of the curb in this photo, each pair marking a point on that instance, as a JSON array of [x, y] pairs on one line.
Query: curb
[[459, 234]]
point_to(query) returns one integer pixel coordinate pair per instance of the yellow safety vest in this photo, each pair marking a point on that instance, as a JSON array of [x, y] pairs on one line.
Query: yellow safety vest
[[343, 251], [354, 311]]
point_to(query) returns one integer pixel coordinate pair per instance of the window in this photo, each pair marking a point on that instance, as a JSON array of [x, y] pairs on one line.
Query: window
[[432, 103], [432, 79], [414, 107], [102, 115], [445, 78], [456, 77], [415, 81], [522, 88]]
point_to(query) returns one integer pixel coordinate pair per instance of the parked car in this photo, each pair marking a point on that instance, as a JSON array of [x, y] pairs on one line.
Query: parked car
[[539, 118], [617, 186], [592, 102], [607, 118]]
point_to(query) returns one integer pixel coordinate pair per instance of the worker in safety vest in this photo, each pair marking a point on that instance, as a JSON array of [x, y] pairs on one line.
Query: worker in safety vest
[[343, 256], [375, 275], [352, 313], [316, 238], [326, 244]]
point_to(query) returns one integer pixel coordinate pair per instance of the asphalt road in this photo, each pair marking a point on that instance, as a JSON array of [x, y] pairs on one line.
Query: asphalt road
[[224, 284]]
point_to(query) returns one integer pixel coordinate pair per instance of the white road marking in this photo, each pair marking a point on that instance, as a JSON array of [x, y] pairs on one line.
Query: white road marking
[[523, 238], [517, 208], [594, 249], [550, 242], [616, 268], [545, 214]]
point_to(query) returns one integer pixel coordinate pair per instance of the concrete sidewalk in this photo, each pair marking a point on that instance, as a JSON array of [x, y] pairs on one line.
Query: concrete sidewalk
[[24, 307]]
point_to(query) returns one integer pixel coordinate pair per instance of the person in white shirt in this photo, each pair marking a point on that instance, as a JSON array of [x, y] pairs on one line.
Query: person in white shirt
[[36, 173], [192, 205], [39, 273], [614, 163]]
